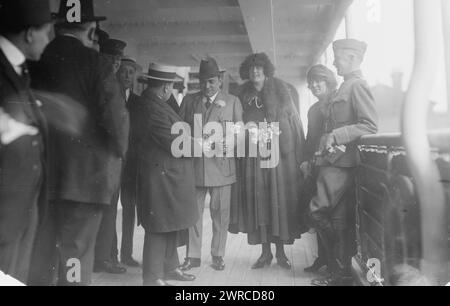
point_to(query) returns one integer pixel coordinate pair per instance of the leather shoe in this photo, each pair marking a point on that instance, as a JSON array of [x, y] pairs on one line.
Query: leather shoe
[[179, 275], [130, 262], [157, 283], [262, 262], [316, 266], [108, 267], [190, 263], [218, 264], [284, 263]]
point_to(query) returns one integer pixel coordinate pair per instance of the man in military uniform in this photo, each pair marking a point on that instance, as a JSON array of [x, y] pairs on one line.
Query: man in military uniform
[[214, 175], [350, 115], [24, 33]]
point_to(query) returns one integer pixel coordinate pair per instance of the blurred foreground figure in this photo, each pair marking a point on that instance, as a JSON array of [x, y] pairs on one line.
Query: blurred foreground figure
[[24, 33], [166, 189], [83, 168], [350, 115]]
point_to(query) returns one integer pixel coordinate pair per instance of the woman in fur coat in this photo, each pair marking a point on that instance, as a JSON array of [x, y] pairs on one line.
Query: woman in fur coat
[[267, 202]]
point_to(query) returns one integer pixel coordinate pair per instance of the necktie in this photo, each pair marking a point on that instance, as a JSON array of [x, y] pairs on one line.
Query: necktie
[[208, 103], [25, 76]]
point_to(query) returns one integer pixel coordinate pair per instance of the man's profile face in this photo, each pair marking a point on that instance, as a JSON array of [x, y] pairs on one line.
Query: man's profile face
[[126, 75], [343, 61], [210, 86], [39, 39]]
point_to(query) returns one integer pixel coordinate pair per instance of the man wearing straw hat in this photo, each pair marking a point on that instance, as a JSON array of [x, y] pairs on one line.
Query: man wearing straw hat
[[166, 190]]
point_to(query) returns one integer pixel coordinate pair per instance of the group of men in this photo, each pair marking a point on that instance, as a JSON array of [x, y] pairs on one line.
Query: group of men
[[71, 145], [63, 146]]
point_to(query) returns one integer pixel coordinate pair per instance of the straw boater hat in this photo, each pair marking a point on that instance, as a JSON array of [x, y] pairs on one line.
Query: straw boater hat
[[161, 72]]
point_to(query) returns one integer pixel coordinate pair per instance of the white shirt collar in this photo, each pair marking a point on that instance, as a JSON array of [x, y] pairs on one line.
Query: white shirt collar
[[13, 54], [127, 93], [213, 98]]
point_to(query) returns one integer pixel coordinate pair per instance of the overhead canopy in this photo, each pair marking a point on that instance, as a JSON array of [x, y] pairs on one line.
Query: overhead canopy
[[294, 33]]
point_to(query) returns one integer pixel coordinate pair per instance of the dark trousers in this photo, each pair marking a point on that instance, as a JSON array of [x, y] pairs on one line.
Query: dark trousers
[[64, 247], [160, 255], [332, 212], [128, 224], [15, 254], [107, 236]]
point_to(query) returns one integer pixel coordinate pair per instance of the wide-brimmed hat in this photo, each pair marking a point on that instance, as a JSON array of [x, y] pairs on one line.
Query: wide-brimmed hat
[[86, 10], [24, 13], [161, 72]]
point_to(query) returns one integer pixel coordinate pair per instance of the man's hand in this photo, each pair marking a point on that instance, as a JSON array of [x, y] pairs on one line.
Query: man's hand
[[11, 129], [330, 142], [305, 168]]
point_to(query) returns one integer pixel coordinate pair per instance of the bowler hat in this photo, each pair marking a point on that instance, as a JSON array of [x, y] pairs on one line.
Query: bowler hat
[[113, 47], [20, 14], [86, 11], [162, 73], [359, 47], [208, 69]]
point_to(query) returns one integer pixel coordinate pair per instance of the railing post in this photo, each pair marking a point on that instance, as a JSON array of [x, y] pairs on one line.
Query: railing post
[[414, 127]]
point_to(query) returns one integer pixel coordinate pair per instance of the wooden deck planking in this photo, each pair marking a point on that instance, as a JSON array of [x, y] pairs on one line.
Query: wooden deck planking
[[238, 260]]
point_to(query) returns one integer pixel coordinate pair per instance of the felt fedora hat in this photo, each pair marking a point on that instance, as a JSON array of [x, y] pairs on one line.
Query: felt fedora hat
[[208, 69]]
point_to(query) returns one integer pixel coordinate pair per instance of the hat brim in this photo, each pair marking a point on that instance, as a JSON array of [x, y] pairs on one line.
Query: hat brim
[[145, 77], [62, 19]]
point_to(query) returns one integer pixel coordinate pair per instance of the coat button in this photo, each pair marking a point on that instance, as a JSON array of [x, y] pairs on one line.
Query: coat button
[[35, 167], [35, 143]]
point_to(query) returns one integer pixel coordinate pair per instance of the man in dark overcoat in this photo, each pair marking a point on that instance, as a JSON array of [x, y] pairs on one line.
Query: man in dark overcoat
[[24, 33], [166, 189], [112, 51], [350, 115], [85, 170]]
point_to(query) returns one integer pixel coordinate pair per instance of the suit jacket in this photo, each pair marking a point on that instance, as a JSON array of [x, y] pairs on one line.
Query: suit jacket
[[84, 168], [350, 115], [166, 191], [129, 174], [216, 171], [22, 162]]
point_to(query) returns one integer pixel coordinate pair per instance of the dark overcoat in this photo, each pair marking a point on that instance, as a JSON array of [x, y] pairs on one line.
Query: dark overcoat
[[166, 184], [22, 162], [87, 167], [129, 174]]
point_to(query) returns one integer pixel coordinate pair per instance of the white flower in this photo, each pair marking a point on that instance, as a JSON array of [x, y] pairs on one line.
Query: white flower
[[220, 103]]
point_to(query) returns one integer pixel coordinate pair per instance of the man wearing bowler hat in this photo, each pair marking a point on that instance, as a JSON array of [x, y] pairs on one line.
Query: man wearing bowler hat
[[212, 175], [24, 33], [166, 191], [84, 168], [349, 115], [106, 246]]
